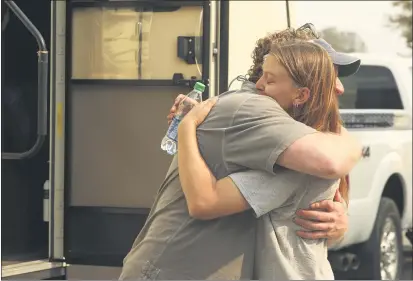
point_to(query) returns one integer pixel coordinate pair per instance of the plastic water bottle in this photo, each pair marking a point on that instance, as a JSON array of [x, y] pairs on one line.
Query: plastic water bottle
[[170, 141]]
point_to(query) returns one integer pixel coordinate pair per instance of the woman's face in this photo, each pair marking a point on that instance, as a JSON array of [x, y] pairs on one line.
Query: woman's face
[[277, 83]]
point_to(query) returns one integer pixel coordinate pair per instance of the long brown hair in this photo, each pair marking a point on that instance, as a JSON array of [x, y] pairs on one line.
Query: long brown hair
[[309, 65], [263, 47]]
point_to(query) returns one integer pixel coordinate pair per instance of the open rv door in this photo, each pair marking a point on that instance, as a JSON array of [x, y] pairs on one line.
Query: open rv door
[[25, 142], [117, 68]]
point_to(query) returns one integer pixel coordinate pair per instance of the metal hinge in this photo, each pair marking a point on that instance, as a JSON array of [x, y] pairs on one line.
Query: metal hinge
[[46, 201], [214, 49]]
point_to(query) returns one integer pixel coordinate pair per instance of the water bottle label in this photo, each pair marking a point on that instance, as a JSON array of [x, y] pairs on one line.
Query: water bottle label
[[172, 132]]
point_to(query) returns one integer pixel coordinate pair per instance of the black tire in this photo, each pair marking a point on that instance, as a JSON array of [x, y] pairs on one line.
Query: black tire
[[370, 251]]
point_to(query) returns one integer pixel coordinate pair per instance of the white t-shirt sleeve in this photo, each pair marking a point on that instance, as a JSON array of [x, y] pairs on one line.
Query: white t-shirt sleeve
[[265, 192]]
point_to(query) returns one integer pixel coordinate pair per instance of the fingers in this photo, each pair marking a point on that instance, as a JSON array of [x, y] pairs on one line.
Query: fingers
[[170, 117], [337, 196], [328, 205], [172, 110], [317, 216], [181, 97], [204, 108], [312, 225], [174, 107], [178, 99], [209, 103], [199, 112], [313, 234]]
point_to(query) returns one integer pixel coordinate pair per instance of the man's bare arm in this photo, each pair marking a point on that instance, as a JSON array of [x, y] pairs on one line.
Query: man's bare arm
[[324, 219], [322, 154]]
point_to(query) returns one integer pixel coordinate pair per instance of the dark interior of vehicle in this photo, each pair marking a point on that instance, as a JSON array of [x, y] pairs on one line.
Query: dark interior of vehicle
[[24, 233]]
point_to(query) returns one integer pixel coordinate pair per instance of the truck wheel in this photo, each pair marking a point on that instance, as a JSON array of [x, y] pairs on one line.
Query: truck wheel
[[382, 255]]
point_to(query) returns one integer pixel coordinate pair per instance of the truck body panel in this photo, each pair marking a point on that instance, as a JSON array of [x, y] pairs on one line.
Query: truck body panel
[[386, 136]]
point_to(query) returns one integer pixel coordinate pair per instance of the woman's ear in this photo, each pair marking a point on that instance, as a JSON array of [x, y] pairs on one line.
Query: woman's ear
[[302, 96]]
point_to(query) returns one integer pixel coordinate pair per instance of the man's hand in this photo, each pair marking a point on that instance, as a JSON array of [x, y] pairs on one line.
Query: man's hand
[[324, 219], [174, 107]]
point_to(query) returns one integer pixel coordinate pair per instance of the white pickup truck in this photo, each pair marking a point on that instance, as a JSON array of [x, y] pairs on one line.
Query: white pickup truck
[[377, 109]]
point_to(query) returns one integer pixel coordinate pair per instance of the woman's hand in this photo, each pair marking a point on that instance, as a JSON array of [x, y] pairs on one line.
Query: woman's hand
[[174, 107], [325, 219], [198, 113]]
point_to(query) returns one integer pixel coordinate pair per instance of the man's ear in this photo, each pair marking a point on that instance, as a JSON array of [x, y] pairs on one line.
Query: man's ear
[[302, 96]]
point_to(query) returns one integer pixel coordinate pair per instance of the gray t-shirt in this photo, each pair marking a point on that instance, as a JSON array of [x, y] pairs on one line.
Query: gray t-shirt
[[280, 253], [243, 130]]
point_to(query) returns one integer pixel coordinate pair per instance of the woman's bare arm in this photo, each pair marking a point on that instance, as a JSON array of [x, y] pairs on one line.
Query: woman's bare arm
[[206, 197]]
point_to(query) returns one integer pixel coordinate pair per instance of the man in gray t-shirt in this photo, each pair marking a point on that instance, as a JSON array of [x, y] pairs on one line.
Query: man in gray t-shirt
[[172, 244]]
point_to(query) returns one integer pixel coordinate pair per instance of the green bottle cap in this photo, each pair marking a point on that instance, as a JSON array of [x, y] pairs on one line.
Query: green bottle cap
[[199, 87]]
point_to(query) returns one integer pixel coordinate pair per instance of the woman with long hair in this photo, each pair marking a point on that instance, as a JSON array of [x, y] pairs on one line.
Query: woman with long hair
[[301, 79]]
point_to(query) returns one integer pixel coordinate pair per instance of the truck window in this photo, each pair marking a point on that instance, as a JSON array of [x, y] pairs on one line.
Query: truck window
[[372, 87]]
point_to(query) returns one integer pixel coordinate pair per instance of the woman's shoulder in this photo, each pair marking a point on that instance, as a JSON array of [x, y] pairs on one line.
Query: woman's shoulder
[[321, 189], [322, 182], [281, 178]]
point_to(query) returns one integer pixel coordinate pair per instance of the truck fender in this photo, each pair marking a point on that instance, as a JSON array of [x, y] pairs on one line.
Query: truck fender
[[390, 165]]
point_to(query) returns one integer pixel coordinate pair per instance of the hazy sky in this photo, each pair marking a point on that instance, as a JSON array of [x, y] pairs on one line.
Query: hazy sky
[[352, 16]]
